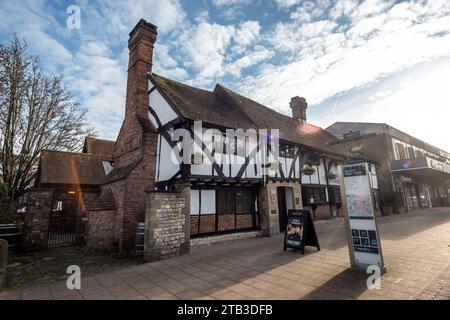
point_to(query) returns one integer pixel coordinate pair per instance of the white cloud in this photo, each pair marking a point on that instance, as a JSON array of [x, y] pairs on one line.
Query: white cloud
[[214, 50], [286, 3], [327, 59], [227, 3], [253, 58]]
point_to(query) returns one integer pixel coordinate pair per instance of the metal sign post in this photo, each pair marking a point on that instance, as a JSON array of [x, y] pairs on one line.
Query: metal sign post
[[361, 227]]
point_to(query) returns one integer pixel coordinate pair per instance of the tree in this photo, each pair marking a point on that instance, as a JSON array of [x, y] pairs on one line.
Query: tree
[[37, 112]]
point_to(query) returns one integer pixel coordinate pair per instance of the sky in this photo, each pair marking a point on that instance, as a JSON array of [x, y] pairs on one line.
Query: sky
[[353, 60]]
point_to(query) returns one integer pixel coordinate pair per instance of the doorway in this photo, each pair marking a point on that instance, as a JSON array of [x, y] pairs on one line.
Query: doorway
[[63, 219], [285, 197]]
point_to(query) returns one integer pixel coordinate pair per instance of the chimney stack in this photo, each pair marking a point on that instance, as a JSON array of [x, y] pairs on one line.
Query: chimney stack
[[141, 42], [299, 106]]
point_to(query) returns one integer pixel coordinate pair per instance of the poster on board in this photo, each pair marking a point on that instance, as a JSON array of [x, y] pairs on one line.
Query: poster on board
[[365, 243], [300, 231]]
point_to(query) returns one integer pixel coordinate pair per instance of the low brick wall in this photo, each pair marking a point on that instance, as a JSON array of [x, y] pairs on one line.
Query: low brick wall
[[101, 229], [166, 229], [225, 222], [207, 241]]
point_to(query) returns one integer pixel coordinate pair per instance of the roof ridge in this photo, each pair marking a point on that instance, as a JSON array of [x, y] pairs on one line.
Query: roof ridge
[[75, 153], [258, 103], [98, 139], [180, 83]]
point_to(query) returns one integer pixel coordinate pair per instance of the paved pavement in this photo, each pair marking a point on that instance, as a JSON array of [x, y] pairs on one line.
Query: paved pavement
[[416, 249]]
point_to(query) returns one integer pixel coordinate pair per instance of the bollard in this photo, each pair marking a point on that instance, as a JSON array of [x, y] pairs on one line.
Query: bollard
[[3, 262]]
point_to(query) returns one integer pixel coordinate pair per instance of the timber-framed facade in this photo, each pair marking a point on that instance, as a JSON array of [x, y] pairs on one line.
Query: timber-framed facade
[[223, 185]]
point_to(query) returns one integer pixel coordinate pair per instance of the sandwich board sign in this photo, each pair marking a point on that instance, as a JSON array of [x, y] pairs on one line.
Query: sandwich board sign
[[300, 231], [362, 231]]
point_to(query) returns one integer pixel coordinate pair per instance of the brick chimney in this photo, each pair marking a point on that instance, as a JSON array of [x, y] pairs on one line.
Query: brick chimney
[[141, 42], [299, 106]]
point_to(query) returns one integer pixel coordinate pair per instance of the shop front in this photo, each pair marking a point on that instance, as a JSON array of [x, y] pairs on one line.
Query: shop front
[[421, 182]]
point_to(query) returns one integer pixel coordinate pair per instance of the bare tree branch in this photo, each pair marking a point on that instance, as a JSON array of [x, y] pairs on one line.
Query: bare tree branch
[[37, 112]]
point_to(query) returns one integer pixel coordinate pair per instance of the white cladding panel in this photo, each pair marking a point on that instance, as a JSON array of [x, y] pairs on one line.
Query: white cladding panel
[[322, 173], [289, 162], [236, 165], [297, 169], [161, 107], [168, 164], [283, 167], [203, 169], [195, 205], [306, 179], [315, 176], [208, 198]]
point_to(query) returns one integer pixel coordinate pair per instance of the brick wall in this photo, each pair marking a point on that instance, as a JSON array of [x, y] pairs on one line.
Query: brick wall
[[194, 225], [101, 229], [165, 225], [226, 222], [137, 140], [244, 221], [208, 223], [37, 218]]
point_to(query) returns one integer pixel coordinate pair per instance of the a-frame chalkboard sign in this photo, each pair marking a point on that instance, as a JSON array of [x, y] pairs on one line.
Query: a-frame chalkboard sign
[[300, 231]]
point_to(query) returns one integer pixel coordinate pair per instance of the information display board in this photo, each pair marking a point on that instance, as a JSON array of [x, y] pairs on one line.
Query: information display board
[[300, 231], [363, 230]]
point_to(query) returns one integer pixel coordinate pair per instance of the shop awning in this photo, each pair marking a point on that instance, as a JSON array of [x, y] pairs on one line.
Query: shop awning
[[423, 168]]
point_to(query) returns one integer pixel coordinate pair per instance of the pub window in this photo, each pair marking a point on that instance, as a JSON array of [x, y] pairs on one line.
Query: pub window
[[232, 201], [282, 151], [58, 205], [287, 151], [411, 153], [401, 151], [314, 195], [335, 194], [22, 204]]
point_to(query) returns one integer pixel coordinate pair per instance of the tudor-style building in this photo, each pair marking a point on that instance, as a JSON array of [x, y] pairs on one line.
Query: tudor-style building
[[228, 184]]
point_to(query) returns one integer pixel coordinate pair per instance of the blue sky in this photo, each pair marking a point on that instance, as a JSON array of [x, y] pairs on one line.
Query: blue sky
[[353, 60]]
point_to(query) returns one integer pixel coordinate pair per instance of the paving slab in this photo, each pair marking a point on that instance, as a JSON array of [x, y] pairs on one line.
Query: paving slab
[[416, 249]]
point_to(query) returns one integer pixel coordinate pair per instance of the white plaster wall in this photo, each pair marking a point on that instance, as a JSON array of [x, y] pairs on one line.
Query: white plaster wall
[[161, 107]]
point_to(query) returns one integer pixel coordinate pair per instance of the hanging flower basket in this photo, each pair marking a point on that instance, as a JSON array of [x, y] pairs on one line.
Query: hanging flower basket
[[332, 176], [308, 170]]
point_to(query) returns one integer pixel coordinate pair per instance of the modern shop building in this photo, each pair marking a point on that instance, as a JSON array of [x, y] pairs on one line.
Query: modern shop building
[[412, 174]]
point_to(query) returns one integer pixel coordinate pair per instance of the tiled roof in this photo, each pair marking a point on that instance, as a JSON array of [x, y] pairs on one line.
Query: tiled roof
[[225, 108], [98, 146], [119, 173], [56, 167]]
